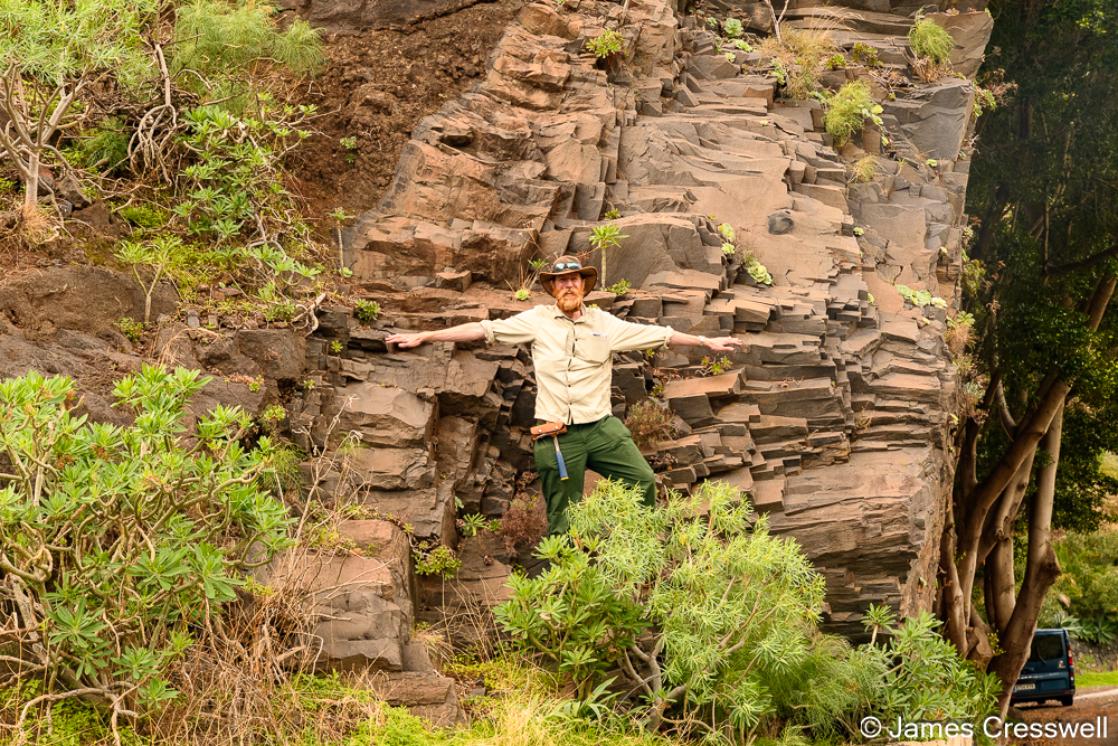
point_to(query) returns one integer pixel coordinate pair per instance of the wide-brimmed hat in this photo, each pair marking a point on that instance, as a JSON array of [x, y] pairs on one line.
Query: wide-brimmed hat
[[566, 265]]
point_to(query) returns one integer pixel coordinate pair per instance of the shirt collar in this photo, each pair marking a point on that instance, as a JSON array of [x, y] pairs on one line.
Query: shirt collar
[[584, 318]]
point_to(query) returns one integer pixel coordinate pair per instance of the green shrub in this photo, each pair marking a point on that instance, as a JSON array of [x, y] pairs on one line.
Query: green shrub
[[144, 216], [847, 111], [1089, 581], [606, 43], [757, 271], [603, 238], [50, 50], [122, 540], [726, 605], [864, 54], [732, 28], [920, 298], [702, 610], [102, 148], [161, 256], [620, 287], [366, 311], [133, 330], [930, 41], [234, 185], [224, 41], [438, 560], [715, 366]]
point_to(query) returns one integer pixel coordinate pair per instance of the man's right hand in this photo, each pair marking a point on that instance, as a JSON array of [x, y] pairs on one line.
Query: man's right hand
[[405, 341]]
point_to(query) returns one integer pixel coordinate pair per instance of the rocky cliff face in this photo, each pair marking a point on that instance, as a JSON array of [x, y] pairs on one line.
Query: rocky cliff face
[[835, 418]]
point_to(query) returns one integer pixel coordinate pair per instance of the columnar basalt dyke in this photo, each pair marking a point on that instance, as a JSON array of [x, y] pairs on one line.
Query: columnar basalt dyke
[[835, 418]]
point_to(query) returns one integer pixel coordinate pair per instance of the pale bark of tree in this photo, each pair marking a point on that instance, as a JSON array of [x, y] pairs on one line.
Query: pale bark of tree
[[978, 528], [1041, 570]]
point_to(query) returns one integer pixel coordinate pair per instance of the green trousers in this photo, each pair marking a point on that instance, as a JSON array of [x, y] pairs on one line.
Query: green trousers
[[607, 447]]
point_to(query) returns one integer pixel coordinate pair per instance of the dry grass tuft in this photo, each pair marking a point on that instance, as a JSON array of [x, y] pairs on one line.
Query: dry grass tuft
[[801, 54]]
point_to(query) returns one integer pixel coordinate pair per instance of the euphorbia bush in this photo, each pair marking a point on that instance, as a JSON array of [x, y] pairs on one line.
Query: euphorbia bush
[[713, 623], [118, 542]]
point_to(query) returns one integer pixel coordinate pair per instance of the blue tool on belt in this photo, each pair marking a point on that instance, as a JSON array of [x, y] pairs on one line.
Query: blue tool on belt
[[554, 429], [559, 458]]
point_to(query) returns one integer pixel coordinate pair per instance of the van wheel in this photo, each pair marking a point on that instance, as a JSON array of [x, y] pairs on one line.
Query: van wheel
[[1066, 701]]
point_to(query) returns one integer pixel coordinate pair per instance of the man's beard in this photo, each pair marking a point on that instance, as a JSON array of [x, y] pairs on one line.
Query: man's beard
[[569, 300]]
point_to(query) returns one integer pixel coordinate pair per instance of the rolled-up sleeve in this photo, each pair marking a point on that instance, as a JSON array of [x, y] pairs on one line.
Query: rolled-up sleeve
[[515, 330], [627, 335]]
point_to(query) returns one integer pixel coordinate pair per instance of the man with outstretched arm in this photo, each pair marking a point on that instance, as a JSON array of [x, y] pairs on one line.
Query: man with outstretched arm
[[572, 353]]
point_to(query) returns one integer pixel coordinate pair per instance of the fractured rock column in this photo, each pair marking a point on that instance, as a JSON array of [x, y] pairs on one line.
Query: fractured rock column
[[835, 417]]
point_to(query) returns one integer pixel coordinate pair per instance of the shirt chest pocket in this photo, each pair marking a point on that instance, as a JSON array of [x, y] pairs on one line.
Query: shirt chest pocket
[[593, 348]]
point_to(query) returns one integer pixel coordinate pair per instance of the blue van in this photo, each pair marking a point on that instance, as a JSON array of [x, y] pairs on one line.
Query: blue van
[[1049, 673]]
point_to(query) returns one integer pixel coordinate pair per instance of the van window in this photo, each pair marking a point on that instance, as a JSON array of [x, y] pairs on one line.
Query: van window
[[1047, 647]]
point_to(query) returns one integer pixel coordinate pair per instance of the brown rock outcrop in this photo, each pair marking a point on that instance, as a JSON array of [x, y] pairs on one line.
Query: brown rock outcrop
[[835, 417]]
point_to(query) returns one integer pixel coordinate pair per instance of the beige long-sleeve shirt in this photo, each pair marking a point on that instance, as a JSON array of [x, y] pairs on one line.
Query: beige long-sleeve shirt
[[574, 359]]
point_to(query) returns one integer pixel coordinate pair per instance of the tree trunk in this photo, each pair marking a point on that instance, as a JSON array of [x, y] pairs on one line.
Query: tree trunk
[[952, 603], [982, 499], [1000, 585], [31, 186], [962, 547], [1041, 570]]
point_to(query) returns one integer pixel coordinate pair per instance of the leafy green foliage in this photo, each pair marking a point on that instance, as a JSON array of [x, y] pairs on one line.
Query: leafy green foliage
[[920, 298], [864, 54], [757, 271], [472, 524], [159, 255], [708, 613], [436, 560], [366, 311], [620, 287], [101, 148], [922, 676], [224, 41], [50, 51], [715, 366], [234, 185], [930, 41], [119, 541], [732, 28], [710, 617], [848, 109], [133, 330], [603, 238], [1089, 582], [606, 43], [144, 216], [55, 42]]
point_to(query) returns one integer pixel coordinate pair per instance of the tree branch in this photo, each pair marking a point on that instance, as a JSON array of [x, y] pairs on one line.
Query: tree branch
[[1093, 259]]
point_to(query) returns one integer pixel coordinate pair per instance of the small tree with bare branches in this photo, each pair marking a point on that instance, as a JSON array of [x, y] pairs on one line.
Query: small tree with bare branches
[[51, 52]]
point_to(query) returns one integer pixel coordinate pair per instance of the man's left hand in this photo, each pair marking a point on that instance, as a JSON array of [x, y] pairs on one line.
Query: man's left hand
[[724, 344]]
